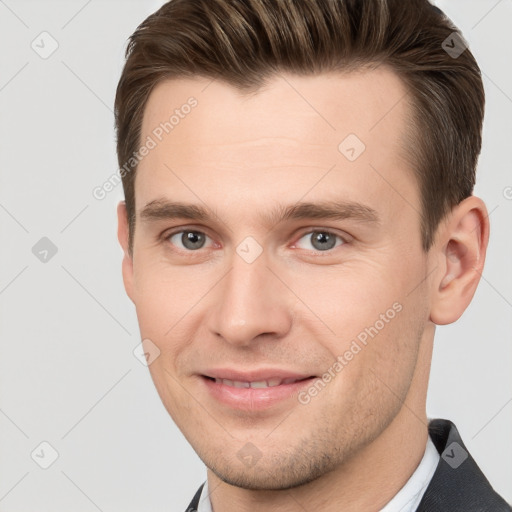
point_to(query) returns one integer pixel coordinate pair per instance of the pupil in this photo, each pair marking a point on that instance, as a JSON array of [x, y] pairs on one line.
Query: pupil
[[192, 240], [324, 241]]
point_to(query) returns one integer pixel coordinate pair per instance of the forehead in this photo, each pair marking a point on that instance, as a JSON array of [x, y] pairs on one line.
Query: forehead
[[293, 126], [361, 101]]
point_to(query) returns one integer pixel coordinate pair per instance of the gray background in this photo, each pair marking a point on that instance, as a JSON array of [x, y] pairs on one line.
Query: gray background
[[68, 375]]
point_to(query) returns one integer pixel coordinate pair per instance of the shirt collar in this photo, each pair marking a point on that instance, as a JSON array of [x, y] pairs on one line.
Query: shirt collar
[[409, 496]]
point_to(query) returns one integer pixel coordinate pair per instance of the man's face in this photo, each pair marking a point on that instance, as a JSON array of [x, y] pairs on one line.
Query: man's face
[[247, 295]]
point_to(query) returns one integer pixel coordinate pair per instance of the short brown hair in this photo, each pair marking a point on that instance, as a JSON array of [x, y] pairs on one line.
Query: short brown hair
[[244, 42]]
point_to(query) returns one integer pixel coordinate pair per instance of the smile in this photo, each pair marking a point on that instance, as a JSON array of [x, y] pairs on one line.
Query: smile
[[270, 383], [255, 395]]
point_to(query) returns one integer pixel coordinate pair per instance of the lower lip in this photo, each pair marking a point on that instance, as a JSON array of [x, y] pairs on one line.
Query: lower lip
[[254, 399]]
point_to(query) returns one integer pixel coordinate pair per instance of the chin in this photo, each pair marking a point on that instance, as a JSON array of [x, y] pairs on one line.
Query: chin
[[272, 476]]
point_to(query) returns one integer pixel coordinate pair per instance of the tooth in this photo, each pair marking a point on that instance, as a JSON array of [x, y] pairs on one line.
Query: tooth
[[238, 384], [259, 384], [276, 381]]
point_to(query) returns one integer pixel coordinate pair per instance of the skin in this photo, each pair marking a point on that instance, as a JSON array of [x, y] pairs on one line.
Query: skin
[[296, 307]]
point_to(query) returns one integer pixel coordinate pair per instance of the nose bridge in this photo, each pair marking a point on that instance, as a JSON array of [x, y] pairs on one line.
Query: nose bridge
[[249, 302]]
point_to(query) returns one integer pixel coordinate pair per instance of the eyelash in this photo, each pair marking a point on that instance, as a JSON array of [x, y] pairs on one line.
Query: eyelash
[[344, 239]]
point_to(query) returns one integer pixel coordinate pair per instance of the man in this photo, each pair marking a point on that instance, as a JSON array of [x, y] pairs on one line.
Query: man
[[291, 239]]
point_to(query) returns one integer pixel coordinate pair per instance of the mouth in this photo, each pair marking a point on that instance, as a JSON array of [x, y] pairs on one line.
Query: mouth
[[255, 394], [257, 384]]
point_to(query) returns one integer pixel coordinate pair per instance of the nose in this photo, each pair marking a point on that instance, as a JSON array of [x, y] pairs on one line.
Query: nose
[[251, 303]]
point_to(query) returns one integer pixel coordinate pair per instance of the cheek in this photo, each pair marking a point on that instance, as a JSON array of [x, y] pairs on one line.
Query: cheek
[[376, 320], [348, 297], [164, 293], [159, 306], [392, 352], [376, 380]]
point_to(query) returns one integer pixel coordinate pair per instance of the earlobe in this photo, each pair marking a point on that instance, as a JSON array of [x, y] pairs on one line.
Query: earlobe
[[461, 244], [123, 237]]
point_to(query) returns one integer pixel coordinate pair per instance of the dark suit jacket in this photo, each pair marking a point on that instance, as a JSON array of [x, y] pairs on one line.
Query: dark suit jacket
[[458, 485]]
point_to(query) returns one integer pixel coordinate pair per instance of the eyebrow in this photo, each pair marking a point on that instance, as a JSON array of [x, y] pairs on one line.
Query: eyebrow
[[163, 209]]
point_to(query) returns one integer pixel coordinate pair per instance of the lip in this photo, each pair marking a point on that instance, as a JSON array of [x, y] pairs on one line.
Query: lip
[[253, 399], [254, 375]]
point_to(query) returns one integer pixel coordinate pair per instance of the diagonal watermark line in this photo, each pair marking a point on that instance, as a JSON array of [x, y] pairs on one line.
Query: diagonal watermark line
[[286, 417], [207, 498], [393, 188], [85, 415], [308, 103], [301, 300], [506, 403], [81, 491], [399, 399], [280, 423], [208, 85], [74, 218], [295, 499], [76, 14], [5, 495], [486, 14], [13, 217], [494, 288], [392, 107], [13, 279], [96, 300], [14, 423], [206, 206], [13, 13], [200, 404], [487, 216], [87, 86], [200, 299], [14, 76], [497, 86], [423, 280]]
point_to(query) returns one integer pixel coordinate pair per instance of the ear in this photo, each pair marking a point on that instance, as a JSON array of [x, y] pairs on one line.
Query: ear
[[123, 237], [460, 247]]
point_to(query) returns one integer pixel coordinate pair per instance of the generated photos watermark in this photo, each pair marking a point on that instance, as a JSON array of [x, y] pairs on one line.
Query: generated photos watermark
[[356, 346]]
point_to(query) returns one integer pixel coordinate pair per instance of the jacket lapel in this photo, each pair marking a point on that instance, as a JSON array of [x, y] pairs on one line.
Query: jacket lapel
[[194, 504], [458, 485]]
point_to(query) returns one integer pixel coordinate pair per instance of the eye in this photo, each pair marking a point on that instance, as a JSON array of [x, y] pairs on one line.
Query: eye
[[190, 240], [321, 240]]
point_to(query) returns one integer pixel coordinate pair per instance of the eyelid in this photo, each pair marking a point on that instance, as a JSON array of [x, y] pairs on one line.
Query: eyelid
[[345, 238], [166, 235], [178, 229]]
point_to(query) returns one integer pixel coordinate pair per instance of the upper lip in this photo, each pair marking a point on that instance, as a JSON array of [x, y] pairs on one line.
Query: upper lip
[[254, 375]]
